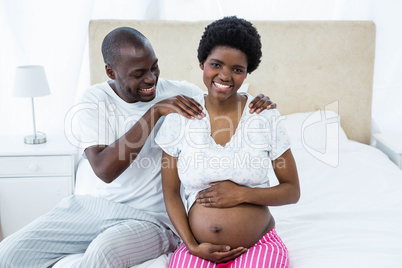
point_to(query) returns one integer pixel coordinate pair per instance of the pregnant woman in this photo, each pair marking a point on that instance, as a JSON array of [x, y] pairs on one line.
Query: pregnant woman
[[222, 162]]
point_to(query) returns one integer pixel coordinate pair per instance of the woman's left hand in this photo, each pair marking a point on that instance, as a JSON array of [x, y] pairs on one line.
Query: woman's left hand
[[260, 103], [222, 194]]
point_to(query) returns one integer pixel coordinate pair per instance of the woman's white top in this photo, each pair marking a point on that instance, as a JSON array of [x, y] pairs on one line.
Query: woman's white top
[[245, 159]]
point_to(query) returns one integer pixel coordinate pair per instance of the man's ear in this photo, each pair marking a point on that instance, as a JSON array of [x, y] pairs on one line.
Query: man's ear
[[202, 65], [109, 71]]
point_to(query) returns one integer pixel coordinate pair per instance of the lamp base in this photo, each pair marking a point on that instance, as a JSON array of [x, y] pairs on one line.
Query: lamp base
[[39, 139]]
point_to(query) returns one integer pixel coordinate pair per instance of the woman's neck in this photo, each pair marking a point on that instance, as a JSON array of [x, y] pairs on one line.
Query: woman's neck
[[233, 104], [224, 117]]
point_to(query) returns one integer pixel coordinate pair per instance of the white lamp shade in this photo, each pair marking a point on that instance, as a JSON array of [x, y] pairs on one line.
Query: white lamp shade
[[30, 81]]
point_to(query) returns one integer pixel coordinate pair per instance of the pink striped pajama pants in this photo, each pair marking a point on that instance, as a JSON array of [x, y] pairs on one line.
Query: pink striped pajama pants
[[268, 252]]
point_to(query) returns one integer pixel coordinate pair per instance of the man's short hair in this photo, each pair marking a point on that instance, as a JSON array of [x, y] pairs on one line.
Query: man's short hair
[[119, 38]]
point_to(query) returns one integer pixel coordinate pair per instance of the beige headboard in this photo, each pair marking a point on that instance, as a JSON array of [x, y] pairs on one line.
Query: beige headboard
[[306, 65]]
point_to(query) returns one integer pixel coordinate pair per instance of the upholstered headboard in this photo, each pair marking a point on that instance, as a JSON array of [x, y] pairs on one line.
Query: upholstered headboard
[[306, 65]]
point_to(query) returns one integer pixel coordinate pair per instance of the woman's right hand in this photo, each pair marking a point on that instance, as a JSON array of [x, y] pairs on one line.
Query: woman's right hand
[[216, 253]]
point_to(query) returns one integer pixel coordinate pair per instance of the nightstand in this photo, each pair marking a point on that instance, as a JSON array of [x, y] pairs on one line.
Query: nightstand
[[33, 179], [391, 145]]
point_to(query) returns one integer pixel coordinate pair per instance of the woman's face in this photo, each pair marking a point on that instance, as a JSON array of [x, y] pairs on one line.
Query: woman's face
[[224, 72]]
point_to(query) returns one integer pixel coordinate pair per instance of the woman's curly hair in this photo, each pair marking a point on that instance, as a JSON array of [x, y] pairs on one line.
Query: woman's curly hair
[[235, 33]]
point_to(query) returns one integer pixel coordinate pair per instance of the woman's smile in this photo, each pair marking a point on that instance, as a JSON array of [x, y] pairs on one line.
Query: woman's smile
[[221, 87]]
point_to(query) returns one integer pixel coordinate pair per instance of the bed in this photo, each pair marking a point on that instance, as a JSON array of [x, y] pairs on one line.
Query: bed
[[320, 74]]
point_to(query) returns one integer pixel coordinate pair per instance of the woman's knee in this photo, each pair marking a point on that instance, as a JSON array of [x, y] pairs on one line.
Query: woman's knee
[[183, 258]]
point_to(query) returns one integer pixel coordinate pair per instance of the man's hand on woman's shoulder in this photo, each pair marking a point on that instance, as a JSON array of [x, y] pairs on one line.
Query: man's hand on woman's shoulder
[[260, 103], [180, 104]]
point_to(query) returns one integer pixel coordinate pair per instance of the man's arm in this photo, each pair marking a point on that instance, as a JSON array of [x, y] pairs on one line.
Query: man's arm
[[109, 161]]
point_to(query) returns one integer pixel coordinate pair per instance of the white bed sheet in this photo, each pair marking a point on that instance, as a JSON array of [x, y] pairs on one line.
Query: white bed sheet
[[74, 261], [347, 216]]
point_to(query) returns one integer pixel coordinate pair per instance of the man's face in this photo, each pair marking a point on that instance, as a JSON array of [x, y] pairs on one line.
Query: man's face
[[136, 74]]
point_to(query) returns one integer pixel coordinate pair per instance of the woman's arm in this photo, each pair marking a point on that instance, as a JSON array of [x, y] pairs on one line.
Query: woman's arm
[[229, 194], [286, 192], [178, 216]]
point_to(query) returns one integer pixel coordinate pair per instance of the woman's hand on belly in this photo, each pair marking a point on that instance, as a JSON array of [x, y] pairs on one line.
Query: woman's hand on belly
[[239, 226], [222, 194], [216, 253]]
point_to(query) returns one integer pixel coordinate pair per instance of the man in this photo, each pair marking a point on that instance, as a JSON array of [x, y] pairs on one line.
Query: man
[[117, 216]]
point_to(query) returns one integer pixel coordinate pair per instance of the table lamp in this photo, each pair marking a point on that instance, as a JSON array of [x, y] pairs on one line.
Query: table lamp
[[30, 81]]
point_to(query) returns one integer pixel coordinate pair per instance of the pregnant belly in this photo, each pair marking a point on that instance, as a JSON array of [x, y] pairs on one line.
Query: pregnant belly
[[240, 226]]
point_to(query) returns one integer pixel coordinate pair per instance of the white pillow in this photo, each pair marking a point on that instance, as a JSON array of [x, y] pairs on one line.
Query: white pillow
[[319, 130], [244, 87]]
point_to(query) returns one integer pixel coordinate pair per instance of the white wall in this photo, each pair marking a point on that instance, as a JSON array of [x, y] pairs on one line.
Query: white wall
[[54, 34]]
